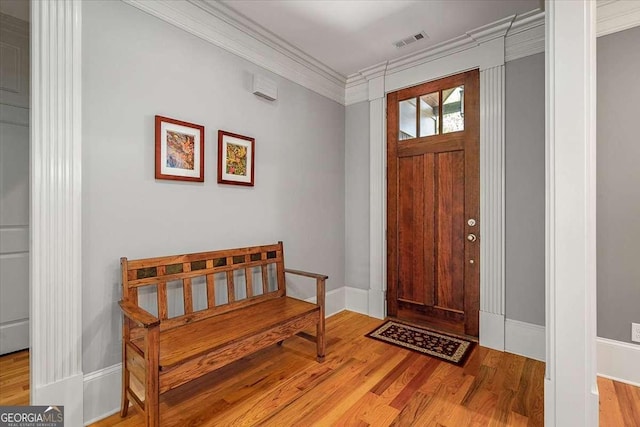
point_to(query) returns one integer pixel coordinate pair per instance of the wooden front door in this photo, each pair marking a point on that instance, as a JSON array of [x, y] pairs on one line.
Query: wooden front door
[[433, 189]]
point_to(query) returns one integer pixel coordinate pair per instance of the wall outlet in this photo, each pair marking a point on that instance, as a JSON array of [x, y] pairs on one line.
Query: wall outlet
[[635, 332]]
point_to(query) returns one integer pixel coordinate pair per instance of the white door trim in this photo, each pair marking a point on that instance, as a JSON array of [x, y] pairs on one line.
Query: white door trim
[[571, 393], [56, 199]]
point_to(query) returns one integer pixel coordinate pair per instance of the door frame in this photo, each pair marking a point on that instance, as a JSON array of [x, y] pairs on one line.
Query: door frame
[[488, 57]]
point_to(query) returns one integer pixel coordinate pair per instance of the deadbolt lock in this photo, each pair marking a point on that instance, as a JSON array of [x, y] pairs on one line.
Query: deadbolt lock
[[471, 222]]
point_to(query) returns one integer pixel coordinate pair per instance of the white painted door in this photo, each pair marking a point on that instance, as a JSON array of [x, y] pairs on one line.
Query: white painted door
[[14, 184]]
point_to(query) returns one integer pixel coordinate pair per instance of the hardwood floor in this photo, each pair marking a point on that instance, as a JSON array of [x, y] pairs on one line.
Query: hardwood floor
[[362, 382], [14, 379]]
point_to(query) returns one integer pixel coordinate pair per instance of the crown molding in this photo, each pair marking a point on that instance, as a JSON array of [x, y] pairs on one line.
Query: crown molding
[[377, 70], [616, 15], [526, 21], [262, 34], [525, 37], [492, 31], [220, 26]]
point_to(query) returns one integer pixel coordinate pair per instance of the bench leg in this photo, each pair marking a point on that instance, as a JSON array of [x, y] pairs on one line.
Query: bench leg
[[152, 383], [126, 335], [320, 343], [124, 408]]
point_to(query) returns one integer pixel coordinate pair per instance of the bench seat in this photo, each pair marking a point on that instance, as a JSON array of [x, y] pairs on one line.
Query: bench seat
[[189, 341]]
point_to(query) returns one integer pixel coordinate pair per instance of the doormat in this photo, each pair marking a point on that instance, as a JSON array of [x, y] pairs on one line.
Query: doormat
[[445, 347]]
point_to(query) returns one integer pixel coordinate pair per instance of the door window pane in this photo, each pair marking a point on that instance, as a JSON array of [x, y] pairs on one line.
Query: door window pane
[[453, 109], [408, 122], [429, 114]]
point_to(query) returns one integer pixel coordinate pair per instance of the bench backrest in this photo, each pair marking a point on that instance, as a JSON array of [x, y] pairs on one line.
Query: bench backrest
[[227, 279]]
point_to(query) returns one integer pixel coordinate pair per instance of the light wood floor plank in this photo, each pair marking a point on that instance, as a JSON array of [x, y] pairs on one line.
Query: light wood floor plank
[[363, 382], [14, 379]]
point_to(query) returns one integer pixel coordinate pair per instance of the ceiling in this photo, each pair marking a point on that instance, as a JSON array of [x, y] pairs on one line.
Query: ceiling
[[349, 35]]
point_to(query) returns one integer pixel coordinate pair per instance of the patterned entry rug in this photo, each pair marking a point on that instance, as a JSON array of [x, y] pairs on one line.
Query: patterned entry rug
[[446, 347]]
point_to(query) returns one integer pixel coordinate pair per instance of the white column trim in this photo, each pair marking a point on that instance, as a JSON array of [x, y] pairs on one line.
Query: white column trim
[[571, 393], [55, 279], [492, 206]]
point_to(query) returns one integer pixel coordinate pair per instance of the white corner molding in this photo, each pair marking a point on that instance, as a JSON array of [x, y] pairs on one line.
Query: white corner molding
[[618, 361], [525, 339], [55, 279], [216, 23], [617, 15], [571, 390], [492, 204], [377, 195]]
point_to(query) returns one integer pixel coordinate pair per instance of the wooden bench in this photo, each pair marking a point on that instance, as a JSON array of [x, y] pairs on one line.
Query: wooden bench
[[234, 302]]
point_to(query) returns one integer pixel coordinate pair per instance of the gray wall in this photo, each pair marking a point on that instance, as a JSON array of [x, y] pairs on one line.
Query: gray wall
[[618, 184], [525, 192], [136, 66], [357, 195]]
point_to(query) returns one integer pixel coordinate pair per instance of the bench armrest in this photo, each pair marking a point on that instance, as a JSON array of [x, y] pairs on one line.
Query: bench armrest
[[138, 315], [320, 287], [306, 274]]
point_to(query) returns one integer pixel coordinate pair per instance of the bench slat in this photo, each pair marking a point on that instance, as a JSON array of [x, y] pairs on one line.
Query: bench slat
[[163, 312], [231, 289], [187, 293], [248, 274], [265, 279]]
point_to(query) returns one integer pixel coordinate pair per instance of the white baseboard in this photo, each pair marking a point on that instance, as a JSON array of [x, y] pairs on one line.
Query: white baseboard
[[525, 339], [14, 336], [357, 300], [102, 393], [492, 330], [618, 360], [67, 393]]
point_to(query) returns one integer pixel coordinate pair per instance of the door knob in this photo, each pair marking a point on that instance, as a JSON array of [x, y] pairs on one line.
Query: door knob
[[472, 237]]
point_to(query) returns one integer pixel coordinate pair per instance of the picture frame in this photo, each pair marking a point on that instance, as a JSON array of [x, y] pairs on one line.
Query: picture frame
[[236, 159], [179, 150]]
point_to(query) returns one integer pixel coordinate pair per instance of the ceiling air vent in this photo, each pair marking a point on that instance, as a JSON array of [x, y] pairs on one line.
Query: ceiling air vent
[[414, 38]]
